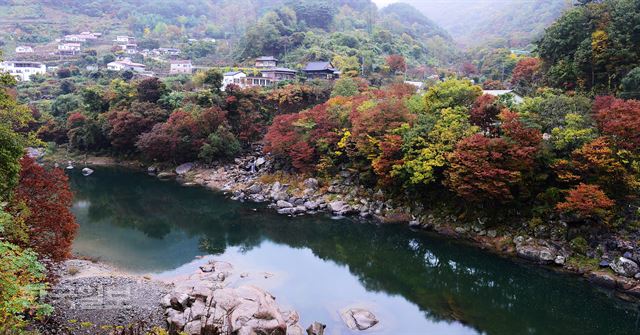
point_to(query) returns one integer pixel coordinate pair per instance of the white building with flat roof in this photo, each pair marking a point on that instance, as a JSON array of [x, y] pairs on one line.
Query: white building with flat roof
[[24, 49], [180, 66], [69, 48], [23, 71], [125, 64]]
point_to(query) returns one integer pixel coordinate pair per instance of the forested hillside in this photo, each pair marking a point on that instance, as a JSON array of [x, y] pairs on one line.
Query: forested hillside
[[351, 33], [505, 23], [595, 47]]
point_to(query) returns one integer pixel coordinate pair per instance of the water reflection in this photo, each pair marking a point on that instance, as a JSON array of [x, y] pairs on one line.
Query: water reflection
[[418, 282]]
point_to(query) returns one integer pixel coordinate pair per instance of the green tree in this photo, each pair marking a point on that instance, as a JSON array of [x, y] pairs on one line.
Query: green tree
[[451, 93], [12, 116], [426, 156], [344, 87], [221, 144], [630, 88]]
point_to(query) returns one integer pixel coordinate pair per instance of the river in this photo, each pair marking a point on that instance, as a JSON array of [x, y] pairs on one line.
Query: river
[[414, 282]]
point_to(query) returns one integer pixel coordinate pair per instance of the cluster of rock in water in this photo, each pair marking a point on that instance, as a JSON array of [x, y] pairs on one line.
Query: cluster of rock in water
[[206, 304]]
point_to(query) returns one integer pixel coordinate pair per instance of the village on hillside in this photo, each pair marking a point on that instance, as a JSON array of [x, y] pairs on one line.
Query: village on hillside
[[123, 54]]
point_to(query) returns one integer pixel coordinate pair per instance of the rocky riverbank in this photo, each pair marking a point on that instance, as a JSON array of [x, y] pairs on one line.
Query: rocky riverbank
[[254, 178]]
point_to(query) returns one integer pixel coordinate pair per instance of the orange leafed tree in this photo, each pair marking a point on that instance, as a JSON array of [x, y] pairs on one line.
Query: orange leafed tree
[[46, 193], [586, 201]]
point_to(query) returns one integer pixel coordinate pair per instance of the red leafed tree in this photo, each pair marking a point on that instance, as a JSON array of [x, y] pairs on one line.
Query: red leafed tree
[[390, 155], [527, 139], [46, 193], [484, 113], [620, 121], [468, 69], [494, 169], [125, 126], [297, 138], [493, 85], [602, 102], [245, 113], [376, 121], [587, 202], [175, 140], [526, 75], [396, 63], [481, 169]]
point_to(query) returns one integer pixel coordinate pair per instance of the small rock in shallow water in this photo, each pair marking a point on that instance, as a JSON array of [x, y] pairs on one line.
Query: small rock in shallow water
[[604, 263], [358, 318], [316, 328]]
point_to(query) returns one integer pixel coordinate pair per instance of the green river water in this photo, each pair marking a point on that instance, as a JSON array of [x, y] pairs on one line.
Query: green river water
[[414, 282]]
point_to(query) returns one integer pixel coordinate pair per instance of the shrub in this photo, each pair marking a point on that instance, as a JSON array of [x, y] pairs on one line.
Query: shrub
[[579, 245], [219, 145]]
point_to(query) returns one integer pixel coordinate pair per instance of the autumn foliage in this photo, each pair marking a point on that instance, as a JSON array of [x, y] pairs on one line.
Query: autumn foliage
[[299, 138], [494, 168], [396, 63], [46, 193], [587, 202], [620, 121]]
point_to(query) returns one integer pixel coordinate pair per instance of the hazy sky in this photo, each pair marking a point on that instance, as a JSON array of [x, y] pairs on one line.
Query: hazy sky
[[382, 3]]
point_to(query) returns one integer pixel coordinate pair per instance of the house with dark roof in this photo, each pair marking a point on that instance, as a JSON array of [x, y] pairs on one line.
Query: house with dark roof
[[266, 61], [321, 70]]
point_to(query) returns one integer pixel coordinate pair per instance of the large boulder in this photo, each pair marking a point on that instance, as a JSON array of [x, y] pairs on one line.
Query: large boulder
[[358, 318], [340, 207], [254, 189], [625, 267], [184, 168], [536, 251], [283, 204]]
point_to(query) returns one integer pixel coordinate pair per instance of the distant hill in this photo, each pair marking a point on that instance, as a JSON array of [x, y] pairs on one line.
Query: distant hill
[[351, 32], [510, 23]]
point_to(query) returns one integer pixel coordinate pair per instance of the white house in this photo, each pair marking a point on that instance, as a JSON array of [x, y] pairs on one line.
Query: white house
[[23, 71], [69, 48], [124, 39], [24, 49], [497, 93], [125, 64], [418, 84], [234, 77], [130, 48], [180, 66]]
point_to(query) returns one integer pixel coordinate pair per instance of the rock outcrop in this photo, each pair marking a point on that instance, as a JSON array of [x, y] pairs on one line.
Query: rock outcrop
[[206, 304]]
